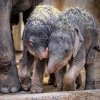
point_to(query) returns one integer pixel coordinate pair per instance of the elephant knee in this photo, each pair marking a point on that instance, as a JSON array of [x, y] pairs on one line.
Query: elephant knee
[[5, 56], [89, 60], [68, 79], [69, 83], [6, 60]]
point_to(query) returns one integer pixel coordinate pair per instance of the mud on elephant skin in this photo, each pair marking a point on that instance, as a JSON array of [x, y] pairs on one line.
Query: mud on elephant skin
[[38, 29], [9, 80], [76, 40]]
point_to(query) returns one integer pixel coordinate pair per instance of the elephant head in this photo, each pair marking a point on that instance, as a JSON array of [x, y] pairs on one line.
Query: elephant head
[[36, 39], [63, 45]]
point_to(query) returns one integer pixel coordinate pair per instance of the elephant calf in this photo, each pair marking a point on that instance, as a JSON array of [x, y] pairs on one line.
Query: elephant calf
[[75, 40], [36, 35]]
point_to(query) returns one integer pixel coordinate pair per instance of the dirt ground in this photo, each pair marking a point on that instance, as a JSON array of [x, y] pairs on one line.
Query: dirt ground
[[50, 88]]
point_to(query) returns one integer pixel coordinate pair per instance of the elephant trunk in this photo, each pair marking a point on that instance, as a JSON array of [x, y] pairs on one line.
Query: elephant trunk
[[53, 64], [43, 53]]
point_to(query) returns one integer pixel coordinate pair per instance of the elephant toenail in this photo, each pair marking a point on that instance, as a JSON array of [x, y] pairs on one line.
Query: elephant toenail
[[4, 90], [14, 89]]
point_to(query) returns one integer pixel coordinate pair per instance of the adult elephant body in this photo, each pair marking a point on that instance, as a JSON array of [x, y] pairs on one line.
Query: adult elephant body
[[9, 81]]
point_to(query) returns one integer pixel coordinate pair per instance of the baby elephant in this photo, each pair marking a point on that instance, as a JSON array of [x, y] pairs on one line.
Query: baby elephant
[[36, 36], [75, 40]]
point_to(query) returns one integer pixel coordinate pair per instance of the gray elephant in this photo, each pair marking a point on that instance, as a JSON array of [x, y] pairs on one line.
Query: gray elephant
[[36, 35], [74, 41], [9, 81]]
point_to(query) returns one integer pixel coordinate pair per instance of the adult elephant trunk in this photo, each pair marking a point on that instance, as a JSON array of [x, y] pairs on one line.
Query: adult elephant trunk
[[9, 81]]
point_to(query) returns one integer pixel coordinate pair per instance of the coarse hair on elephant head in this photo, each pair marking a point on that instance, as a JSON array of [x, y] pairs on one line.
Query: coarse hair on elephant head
[[64, 44]]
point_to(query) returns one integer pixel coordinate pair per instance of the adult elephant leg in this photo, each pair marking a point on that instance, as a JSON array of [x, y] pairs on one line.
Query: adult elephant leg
[[89, 67], [37, 77], [9, 81], [76, 66]]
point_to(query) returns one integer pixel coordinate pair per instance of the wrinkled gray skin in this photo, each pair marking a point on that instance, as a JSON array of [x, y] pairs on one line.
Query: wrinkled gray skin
[[75, 40], [36, 35], [9, 81]]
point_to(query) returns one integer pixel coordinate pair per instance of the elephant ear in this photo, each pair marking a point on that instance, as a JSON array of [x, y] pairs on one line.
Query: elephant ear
[[78, 40]]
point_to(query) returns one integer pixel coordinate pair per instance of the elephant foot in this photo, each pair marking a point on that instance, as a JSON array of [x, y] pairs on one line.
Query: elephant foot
[[89, 87], [59, 89], [59, 86], [25, 77], [69, 84], [26, 83], [9, 90], [9, 84], [69, 87], [36, 88]]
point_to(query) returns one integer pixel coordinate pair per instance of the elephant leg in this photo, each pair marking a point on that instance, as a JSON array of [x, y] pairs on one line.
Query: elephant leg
[[9, 81], [37, 77], [59, 78], [24, 69], [89, 68], [74, 70], [78, 78]]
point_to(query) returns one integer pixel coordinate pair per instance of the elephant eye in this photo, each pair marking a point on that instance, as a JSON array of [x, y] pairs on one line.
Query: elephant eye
[[30, 43], [66, 50]]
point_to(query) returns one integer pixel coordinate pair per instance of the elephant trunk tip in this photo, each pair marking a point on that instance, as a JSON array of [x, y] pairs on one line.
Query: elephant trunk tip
[[43, 54]]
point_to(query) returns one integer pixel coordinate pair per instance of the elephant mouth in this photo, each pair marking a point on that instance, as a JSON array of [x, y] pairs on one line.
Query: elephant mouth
[[54, 69], [57, 67], [54, 65]]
